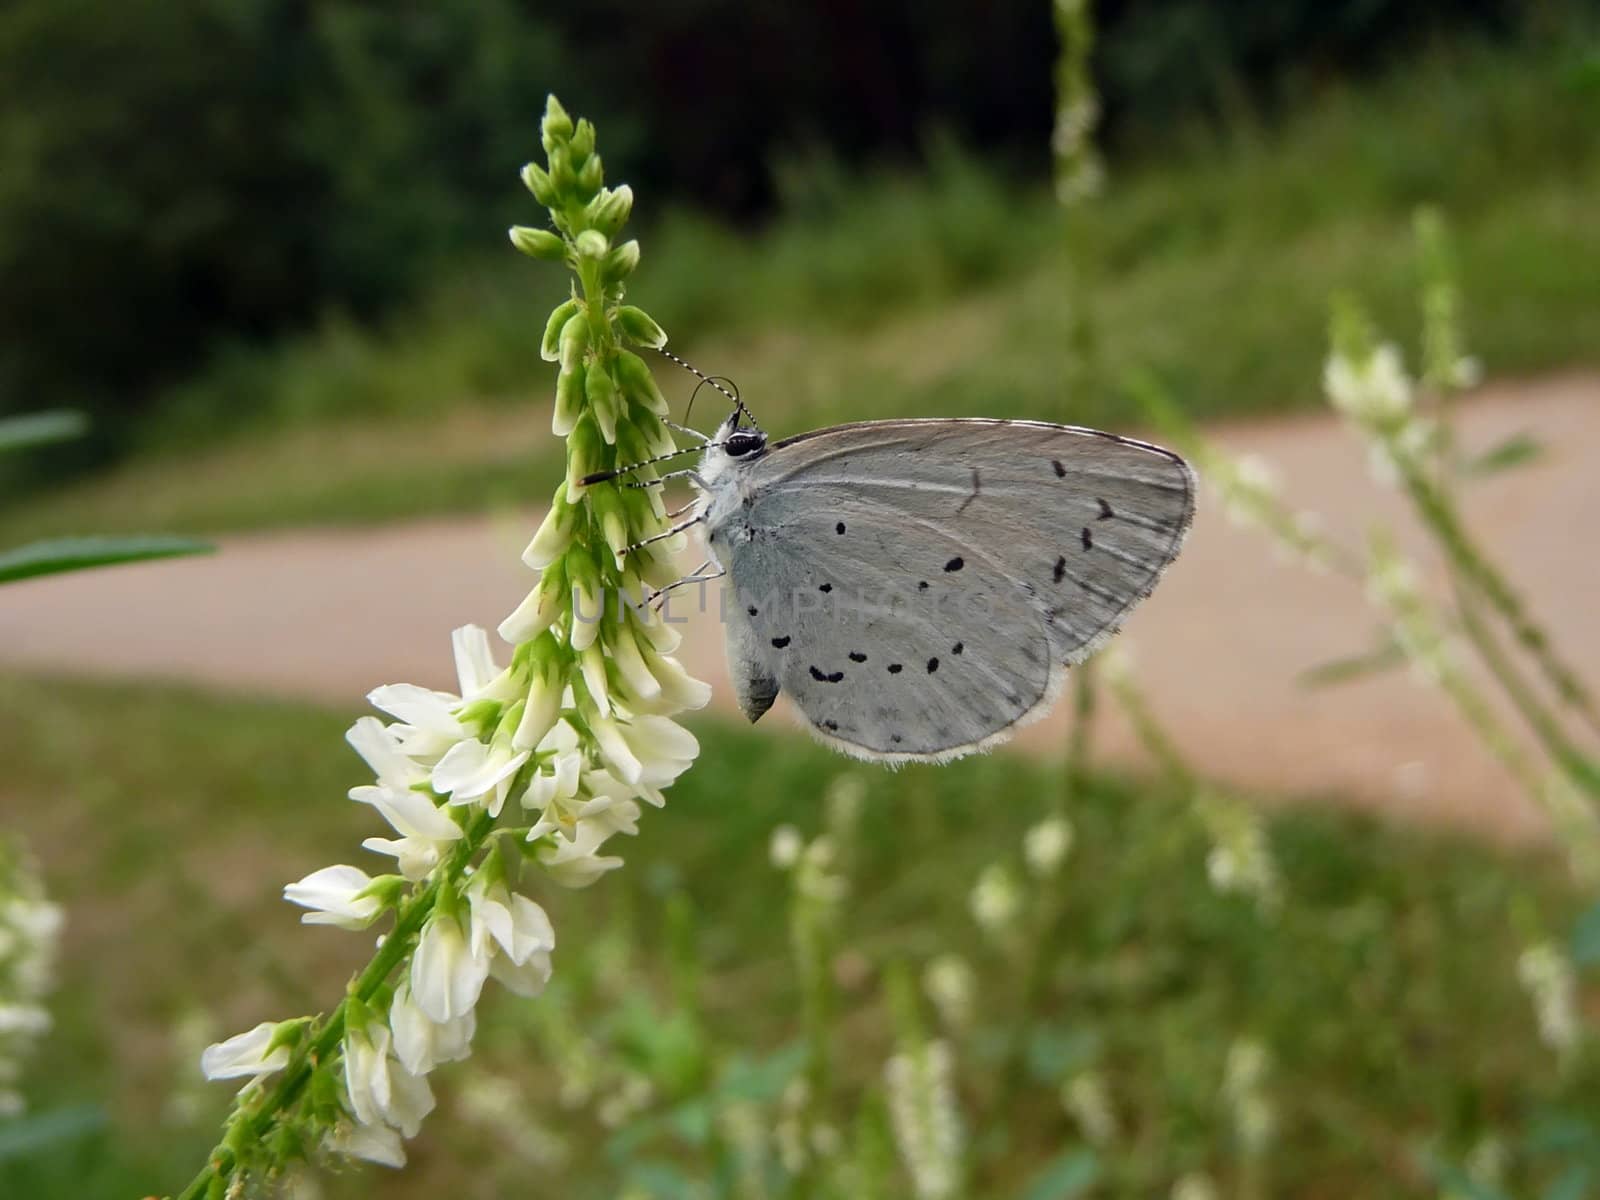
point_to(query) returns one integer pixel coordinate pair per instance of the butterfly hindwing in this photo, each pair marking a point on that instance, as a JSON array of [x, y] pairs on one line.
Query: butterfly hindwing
[[1025, 544]]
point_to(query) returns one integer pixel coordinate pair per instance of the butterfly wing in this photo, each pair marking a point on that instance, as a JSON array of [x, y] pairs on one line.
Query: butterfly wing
[[919, 587]]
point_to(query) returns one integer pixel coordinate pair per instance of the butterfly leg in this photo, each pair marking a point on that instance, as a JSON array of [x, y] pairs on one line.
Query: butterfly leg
[[658, 598], [665, 534], [691, 475]]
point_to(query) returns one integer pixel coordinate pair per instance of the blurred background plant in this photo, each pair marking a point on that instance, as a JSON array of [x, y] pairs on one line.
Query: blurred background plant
[[1036, 976]]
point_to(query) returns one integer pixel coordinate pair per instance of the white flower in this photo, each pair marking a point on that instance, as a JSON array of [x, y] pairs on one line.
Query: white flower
[[472, 770], [575, 862], [925, 1121], [380, 747], [507, 920], [1046, 845], [370, 1143], [426, 830], [429, 725], [545, 697], [446, 976], [420, 1042], [249, 1053], [380, 1089], [648, 750], [335, 896]]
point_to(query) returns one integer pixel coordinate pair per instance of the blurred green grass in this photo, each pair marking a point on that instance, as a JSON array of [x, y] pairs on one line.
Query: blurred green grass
[[1210, 261], [168, 820]]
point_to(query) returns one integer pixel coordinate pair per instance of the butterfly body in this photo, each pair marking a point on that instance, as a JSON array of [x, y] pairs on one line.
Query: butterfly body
[[920, 587]]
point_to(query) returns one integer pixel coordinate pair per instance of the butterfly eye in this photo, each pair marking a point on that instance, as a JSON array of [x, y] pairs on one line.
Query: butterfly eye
[[739, 445]]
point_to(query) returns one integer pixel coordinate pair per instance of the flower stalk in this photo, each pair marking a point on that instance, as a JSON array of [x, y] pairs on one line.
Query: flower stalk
[[518, 781]]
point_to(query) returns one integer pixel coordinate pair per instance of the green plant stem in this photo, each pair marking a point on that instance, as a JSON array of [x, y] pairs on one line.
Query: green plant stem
[[1149, 732], [1573, 762], [1439, 512], [312, 1051]]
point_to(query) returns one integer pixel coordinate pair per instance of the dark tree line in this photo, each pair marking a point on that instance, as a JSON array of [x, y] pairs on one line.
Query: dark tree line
[[174, 173]]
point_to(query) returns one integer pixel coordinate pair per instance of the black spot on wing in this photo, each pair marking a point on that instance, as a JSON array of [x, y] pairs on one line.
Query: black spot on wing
[[933, 665], [825, 588], [1060, 569], [839, 528], [1088, 541], [895, 668], [958, 648], [955, 564], [1105, 510], [922, 585], [1061, 472], [857, 656], [753, 610], [780, 642]]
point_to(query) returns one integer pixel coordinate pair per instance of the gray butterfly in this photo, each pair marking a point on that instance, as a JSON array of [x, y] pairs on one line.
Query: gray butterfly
[[919, 587]]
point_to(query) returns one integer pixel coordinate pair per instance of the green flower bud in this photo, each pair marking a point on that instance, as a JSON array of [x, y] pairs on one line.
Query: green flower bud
[[586, 454], [608, 507], [550, 344], [574, 341], [602, 396], [569, 399], [537, 180], [562, 177], [637, 384], [556, 126], [588, 599], [608, 212], [582, 144], [620, 263], [591, 177], [638, 326], [592, 243], [538, 243]]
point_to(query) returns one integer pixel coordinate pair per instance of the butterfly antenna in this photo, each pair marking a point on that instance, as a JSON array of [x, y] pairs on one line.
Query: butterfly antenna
[[715, 381]]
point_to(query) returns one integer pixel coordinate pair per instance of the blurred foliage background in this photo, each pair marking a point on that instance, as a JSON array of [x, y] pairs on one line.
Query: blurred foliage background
[[208, 174]]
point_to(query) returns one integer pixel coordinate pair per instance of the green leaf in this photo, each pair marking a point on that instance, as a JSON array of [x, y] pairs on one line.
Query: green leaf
[[663, 1180], [41, 428], [1516, 450], [1070, 1174], [25, 1136], [80, 553], [1342, 670], [1586, 939]]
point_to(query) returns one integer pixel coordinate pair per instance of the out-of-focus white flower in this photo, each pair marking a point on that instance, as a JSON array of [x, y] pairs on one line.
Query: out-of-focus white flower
[[952, 986], [446, 976], [30, 928], [995, 900], [1376, 392], [785, 846], [1046, 845], [250, 1053], [1088, 1101], [1547, 976], [336, 896], [1194, 1186], [1244, 1091], [925, 1121]]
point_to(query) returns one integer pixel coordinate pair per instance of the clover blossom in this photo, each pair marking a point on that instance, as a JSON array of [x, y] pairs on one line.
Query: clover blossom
[[519, 778]]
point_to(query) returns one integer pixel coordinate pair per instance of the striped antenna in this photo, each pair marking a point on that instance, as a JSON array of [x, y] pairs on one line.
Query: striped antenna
[[715, 381]]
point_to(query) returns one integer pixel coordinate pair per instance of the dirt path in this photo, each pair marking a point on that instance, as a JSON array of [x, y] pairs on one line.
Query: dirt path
[[325, 615]]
